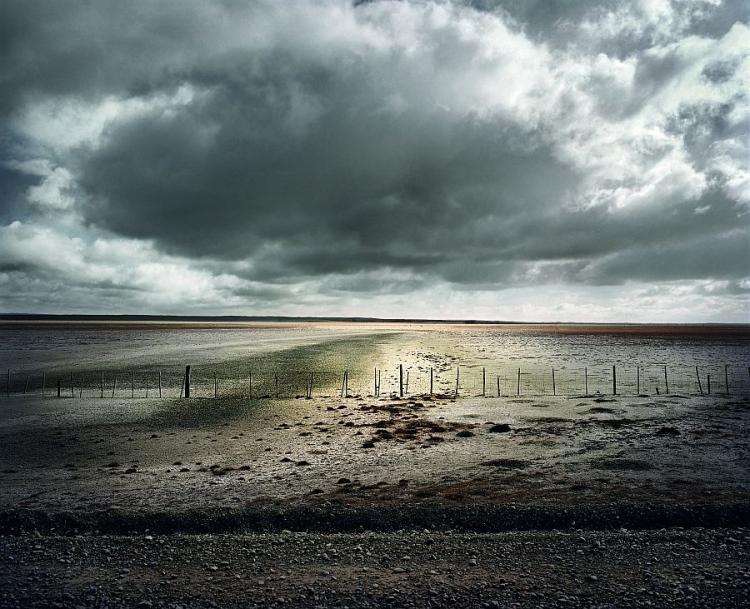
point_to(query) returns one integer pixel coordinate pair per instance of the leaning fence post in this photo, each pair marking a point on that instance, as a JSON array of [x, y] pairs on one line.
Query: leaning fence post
[[114, 386], [26, 386], [698, 377], [343, 381], [666, 380], [187, 381]]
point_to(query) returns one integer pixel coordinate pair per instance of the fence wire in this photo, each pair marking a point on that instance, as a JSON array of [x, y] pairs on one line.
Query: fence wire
[[469, 380]]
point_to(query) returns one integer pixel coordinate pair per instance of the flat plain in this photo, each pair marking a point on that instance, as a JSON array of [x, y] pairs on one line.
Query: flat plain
[[302, 429]]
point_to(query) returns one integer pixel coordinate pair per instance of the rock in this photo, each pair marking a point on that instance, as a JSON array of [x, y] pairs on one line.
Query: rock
[[668, 431], [302, 463], [343, 481], [500, 428], [368, 444], [465, 434]]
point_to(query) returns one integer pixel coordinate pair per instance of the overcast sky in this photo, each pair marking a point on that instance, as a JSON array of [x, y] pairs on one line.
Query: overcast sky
[[499, 159]]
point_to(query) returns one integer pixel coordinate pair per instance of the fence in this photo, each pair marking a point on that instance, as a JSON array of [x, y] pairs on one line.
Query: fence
[[458, 381]]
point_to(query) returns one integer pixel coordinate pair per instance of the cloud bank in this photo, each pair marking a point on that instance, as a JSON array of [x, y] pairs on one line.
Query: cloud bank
[[493, 159]]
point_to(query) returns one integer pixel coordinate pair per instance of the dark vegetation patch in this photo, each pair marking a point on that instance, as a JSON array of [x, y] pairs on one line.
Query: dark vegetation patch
[[507, 463], [622, 464], [332, 518]]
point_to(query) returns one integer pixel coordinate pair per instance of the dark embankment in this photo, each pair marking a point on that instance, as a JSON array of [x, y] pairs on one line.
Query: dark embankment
[[335, 519]]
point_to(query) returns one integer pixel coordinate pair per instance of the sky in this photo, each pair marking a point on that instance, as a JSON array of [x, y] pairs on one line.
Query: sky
[[539, 160]]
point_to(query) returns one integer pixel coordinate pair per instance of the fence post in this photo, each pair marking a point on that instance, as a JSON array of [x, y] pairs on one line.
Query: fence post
[[406, 387], [401, 380], [431, 374], [708, 383], [187, 381], [638, 380], [458, 368], [159, 371], [554, 388], [614, 380], [484, 382], [726, 378], [114, 386], [132, 384], [586, 379], [666, 380], [250, 377], [698, 377], [59, 388], [518, 383]]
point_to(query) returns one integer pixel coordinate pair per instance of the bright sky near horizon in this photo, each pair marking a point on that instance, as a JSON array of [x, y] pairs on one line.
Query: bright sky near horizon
[[497, 159]]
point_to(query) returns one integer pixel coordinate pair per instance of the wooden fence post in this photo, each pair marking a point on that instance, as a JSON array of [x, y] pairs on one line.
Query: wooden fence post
[[614, 380], [554, 388], [484, 382], [159, 371], [431, 380], [458, 369], [518, 383], [59, 388], [638, 380], [586, 379], [132, 383], [726, 378], [698, 377], [187, 381], [498, 385], [114, 386], [666, 379], [401, 380], [708, 383]]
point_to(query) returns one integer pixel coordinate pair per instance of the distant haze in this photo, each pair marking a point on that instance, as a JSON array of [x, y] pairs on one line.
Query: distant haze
[[497, 159]]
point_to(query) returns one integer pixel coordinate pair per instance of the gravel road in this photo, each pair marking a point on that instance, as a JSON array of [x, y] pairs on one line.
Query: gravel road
[[658, 568]]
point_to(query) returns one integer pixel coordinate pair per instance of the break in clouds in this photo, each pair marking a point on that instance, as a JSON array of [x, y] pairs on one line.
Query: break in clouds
[[489, 159]]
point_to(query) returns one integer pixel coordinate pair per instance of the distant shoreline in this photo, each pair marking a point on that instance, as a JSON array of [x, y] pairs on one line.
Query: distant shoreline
[[48, 317]]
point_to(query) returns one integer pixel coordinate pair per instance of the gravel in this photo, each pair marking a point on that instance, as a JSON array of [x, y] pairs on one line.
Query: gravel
[[574, 568]]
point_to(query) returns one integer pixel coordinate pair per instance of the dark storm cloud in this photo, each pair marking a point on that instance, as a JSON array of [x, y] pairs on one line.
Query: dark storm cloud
[[380, 146]]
